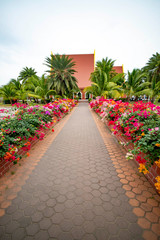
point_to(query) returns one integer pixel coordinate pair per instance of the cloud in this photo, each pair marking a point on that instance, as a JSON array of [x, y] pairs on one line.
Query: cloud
[[122, 30]]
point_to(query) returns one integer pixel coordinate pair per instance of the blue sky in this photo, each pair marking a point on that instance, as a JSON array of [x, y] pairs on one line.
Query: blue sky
[[124, 30]]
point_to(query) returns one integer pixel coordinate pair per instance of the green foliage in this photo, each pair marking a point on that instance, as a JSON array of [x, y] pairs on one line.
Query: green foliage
[[26, 73], [136, 84], [16, 130], [105, 81], [39, 87], [147, 144], [61, 73], [146, 132], [8, 92], [152, 69], [20, 89]]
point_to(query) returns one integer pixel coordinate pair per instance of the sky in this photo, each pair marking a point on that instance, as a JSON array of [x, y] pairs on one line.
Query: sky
[[123, 30]]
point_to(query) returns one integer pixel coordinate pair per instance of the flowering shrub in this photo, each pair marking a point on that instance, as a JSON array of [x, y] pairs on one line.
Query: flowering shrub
[[27, 124], [140, 123]]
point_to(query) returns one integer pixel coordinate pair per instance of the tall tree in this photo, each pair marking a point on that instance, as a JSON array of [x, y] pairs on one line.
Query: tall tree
[[20, 89], [39, 87], [8, 92], [105, 81], [26, 73], [152, 69], [101, 86], [106, 65], [136, 84], [61, 73]]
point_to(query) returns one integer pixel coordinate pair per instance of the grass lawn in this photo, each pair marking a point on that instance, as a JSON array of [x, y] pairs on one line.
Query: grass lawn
[[2, 105]]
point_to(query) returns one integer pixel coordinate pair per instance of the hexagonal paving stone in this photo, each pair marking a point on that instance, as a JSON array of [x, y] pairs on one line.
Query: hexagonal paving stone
[[78, 220], [11, 227], [29, 211], [24, 221], [57, 218], [125, 234], [18, 234], [65, 236], [101, 234], [48, 212], [77, 232], [66, 225], [51, 203], [37, 216], [32, 229], [45, 223], [61, 199], [5, 219], [59, 207], [99, 221], [42, 235], [11, 209], [54, 231]]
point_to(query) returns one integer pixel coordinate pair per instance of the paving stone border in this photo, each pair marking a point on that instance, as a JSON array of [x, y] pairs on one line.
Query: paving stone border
[[143, 198]]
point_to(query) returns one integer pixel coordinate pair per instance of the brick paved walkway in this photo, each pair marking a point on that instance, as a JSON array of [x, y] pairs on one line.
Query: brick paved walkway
[[74, 191]]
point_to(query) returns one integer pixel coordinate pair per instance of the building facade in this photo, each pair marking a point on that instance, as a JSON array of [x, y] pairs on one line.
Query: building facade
[[85, 64]]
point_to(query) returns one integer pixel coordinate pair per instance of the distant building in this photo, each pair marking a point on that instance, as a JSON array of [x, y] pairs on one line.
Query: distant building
[[84, 67], [85, 64]]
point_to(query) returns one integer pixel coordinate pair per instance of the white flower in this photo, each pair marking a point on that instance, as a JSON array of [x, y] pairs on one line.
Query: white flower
[[129, 156], [123, 143], [16, 149]]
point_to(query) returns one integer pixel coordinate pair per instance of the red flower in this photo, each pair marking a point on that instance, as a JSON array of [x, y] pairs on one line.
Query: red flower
[[140, 159], [52, 130]]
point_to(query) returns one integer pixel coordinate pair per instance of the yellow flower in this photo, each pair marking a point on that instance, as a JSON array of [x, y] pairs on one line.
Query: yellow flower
[[143, 169], [112, 129], [158, 178], [157, 144], [157, 185], [143, 134], [158, 163]]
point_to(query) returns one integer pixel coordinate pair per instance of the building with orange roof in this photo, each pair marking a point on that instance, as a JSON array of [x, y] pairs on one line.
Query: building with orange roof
[[85, 64]]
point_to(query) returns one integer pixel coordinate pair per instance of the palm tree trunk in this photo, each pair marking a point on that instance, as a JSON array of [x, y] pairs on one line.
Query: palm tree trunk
[[153, 99]]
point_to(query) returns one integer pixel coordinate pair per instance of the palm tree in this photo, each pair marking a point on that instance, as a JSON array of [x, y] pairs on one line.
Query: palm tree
[[16, 83], [39, 87], [61, 73], [136, 84], [26, 73], [101, 86], [106, 65], [8, 92], [105, 81], [152, 69], [19, 87]]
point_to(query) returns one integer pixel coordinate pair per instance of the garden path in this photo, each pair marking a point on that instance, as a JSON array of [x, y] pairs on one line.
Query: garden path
[[82, 188]]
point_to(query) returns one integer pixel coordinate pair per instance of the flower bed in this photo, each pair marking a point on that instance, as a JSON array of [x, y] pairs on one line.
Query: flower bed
[[136, 126], [27, 126]]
